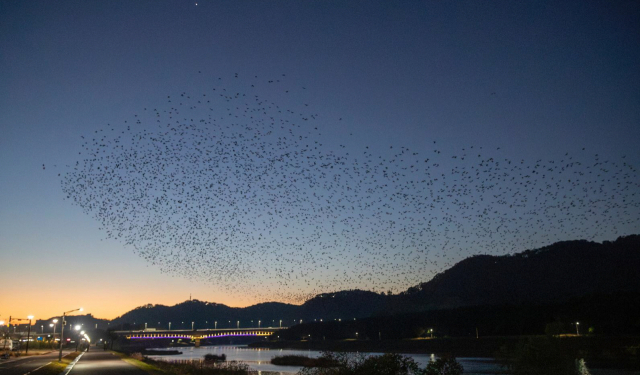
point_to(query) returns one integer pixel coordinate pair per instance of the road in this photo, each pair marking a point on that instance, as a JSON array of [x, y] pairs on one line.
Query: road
[[24, 365], [98, 362]]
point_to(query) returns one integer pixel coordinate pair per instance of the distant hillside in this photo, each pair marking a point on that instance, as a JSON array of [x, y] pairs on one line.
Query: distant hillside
[[328, 306], [553, 274]]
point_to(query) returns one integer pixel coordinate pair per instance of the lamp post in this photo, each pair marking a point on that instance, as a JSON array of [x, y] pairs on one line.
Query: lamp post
[[30, 317], [54, 328], [64, 314], [238, 324], [169, 326], [215, 325], [578, 328], [258, 323], [280, 323], [192, 324]]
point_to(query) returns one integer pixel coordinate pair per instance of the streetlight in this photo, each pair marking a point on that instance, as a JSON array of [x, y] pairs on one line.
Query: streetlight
[[215, 325], [280, 323], [259, 323], [578, 328], [192, 324], [30, 317], [54, 328], [64, 314], [169, 326], [238, 324]]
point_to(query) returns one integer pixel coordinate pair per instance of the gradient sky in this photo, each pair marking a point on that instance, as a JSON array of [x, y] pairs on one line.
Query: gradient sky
[[536, 79]]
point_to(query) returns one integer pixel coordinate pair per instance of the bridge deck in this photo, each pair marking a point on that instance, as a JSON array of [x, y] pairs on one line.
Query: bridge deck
[[198, 334]]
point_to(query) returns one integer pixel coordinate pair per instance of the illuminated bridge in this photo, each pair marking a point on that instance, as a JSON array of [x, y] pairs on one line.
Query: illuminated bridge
[[198, 334]]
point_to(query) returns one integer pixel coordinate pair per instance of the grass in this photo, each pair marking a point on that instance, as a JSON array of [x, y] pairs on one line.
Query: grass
[[55, 367], [149, 368]]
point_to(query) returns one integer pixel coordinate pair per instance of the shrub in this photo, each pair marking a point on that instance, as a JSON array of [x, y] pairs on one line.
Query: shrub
[[215, 357], [300, 360], [444, 366], [541, 355], [386, 364], [137, 356]]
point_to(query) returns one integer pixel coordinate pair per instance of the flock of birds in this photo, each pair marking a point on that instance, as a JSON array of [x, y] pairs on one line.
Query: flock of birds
[[229, 187]]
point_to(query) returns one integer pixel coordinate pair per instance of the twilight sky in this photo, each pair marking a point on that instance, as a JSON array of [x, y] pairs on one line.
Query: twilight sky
[[501, 97]]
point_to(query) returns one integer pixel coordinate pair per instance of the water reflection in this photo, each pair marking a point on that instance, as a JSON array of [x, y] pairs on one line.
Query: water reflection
[[259, 359]]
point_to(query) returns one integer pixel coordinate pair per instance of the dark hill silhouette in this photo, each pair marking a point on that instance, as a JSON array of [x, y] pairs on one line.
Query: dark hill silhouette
[[555, 273], [344, 305], [552, 274], [328, 306]]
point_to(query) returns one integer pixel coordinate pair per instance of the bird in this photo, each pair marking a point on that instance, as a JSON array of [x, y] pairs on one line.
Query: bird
[[262, 200]]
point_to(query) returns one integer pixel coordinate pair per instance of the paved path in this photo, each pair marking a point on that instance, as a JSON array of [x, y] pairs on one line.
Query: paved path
[[23, 365], [98, 362]]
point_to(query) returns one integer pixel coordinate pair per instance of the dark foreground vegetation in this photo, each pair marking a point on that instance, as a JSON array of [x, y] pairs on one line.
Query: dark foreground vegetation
[[301, 360], [513, 352], [345, 363]]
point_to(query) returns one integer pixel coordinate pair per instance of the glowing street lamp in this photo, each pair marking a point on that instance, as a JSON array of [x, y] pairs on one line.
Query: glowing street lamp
[[238, 324], [215, 325], [64, 314], [259, 323], [280, 323], [169, 326], [578, 328]]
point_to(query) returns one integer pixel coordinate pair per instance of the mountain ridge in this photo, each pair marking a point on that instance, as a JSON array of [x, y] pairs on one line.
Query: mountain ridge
[[553, 273]]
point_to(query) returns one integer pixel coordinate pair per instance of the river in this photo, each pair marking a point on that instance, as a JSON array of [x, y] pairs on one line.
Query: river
[[259, 359]]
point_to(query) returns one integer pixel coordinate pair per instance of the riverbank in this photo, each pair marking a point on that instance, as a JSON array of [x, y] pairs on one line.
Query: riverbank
[[603, 351]]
